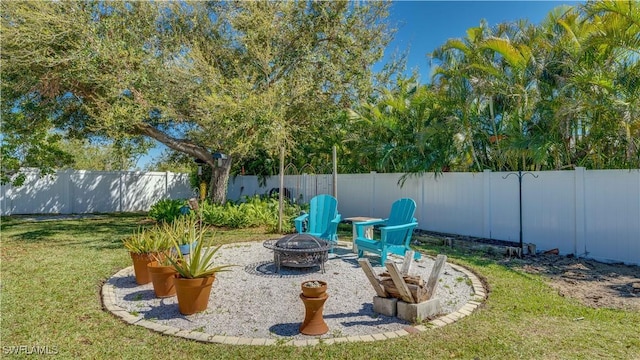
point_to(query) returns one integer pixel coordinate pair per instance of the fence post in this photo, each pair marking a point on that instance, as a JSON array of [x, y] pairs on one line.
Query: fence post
[[122, 180], [372, 200], [65, 178], [486, 210], [580, 241]]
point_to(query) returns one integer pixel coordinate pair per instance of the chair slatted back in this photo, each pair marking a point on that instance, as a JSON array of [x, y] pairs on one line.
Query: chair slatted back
[[402, 211], [322, 209]]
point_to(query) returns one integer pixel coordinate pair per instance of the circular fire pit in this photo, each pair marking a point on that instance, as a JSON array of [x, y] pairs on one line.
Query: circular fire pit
[[299, 250]]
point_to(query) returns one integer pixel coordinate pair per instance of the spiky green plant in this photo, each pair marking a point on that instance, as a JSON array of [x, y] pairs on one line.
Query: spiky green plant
[[145, 241], [199, 264], [183, 230]]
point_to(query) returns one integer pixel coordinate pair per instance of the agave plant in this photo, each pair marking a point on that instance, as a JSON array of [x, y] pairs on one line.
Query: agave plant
[[199, 263]]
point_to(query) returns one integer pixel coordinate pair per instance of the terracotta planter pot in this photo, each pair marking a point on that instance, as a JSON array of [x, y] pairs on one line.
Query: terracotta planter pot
[[313, 323], [140, 262], [193, 294], [162, 278], [314, 292]]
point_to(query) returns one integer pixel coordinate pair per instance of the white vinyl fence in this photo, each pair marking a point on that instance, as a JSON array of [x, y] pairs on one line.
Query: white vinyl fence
[[78, 192], [588, 213]]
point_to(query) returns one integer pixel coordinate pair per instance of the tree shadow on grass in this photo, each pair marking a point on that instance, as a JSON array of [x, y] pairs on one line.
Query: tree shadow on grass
[[104, 233]]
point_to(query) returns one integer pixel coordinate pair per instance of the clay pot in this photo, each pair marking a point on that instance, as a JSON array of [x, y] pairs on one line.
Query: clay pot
[[162, 278], [140, 262], [313, 323], [314, 292], [193, 294]]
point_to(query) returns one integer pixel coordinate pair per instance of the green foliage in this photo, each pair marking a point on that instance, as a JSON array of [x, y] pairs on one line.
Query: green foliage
[[104, 155], [240, 77], [29, 144], [250, 212], [166, 210], [145, 241], [253, 211], [407, 131], [183, 230], [199, 264], [514, 96]]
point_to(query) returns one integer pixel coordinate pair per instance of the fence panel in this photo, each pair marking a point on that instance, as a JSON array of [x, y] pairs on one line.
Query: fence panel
[[385, 192], [355, 195], [503, 206], [93, 192], [548, 210], [37, 195], [453, 203], [612, 215]]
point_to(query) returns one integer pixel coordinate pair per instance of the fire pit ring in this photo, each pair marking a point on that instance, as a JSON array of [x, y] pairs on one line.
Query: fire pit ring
[[299, 250]]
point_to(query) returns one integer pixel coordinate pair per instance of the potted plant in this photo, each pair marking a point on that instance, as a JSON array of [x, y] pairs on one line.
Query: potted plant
[[314, 288], [144, 246], [162, 274], [196, 274], [183, 232]]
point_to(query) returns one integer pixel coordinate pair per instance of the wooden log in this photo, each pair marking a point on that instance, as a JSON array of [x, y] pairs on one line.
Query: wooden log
[[409, 279], [435, 275], [368, 270], [405, 293], [418, 292], [407, 262]]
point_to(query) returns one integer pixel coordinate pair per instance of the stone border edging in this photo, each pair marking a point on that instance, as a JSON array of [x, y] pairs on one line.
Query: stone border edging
[[109, 303]]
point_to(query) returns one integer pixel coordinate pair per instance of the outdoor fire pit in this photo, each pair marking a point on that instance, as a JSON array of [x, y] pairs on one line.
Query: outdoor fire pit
[[299, 250]]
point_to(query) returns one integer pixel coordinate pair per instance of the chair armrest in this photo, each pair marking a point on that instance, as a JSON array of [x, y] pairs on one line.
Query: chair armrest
[[403, 227], [360, 226], [332, 228], [299, 221], [408, 228]]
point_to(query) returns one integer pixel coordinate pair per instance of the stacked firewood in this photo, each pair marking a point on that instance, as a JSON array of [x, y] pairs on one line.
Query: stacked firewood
[[399, 284], [415, 283]]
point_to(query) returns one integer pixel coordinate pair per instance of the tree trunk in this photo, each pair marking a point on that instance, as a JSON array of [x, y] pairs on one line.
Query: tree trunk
[[219, 180]]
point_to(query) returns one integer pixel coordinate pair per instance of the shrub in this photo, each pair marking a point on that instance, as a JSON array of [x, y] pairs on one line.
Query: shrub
[[253, 211], [166, 210]]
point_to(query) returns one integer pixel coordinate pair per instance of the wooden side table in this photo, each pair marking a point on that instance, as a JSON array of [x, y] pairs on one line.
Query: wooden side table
[[368, 230]]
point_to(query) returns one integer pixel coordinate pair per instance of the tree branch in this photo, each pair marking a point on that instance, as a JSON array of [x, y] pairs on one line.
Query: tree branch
[[180, 145]]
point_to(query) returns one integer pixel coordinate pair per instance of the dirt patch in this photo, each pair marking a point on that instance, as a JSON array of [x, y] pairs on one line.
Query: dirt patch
[[593, 283]]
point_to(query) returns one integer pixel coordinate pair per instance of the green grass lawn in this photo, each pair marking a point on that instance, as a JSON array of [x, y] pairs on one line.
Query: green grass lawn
[[52, 273]]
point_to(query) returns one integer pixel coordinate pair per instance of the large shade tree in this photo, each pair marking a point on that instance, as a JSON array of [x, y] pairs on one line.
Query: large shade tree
[[237, 78]]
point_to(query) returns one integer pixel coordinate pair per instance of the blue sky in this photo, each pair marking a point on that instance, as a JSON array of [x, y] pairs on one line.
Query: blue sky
[[425, 25]]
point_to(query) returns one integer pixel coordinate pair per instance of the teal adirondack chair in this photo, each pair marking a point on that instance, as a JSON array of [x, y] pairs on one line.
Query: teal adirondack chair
[[395, 232], [322, 219]]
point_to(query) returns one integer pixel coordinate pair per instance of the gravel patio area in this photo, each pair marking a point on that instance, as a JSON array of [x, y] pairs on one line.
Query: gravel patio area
[[253, 301]]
